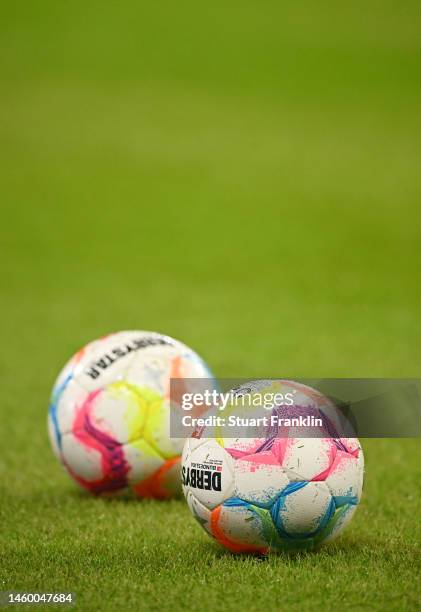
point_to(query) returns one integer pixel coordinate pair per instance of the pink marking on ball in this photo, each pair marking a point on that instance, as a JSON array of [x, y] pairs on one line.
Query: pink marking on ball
[[114, 465]]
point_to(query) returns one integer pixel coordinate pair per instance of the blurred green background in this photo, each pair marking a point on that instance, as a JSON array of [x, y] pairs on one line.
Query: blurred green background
[[244, 176]]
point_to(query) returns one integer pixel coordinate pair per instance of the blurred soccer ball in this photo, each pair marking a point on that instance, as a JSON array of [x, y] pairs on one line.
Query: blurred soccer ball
[[109, 415], [274, 493]]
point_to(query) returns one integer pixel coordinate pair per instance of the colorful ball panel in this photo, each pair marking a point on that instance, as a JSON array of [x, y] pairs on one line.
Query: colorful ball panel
[[258, 479], [302, 509], [309, 458], [238, 528]]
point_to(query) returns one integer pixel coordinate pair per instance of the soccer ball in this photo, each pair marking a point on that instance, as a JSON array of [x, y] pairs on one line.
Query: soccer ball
[[274, 493], [109, 413]]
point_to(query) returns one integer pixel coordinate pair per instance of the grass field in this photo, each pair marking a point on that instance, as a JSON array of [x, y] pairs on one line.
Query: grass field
[[244, 177]]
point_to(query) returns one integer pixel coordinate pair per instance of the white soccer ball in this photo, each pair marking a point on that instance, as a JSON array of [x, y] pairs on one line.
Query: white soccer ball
[[273, 493], [109, 413]]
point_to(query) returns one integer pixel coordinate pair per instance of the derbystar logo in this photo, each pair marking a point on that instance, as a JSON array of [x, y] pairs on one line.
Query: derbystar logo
[[119, 352], [207, 477]]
